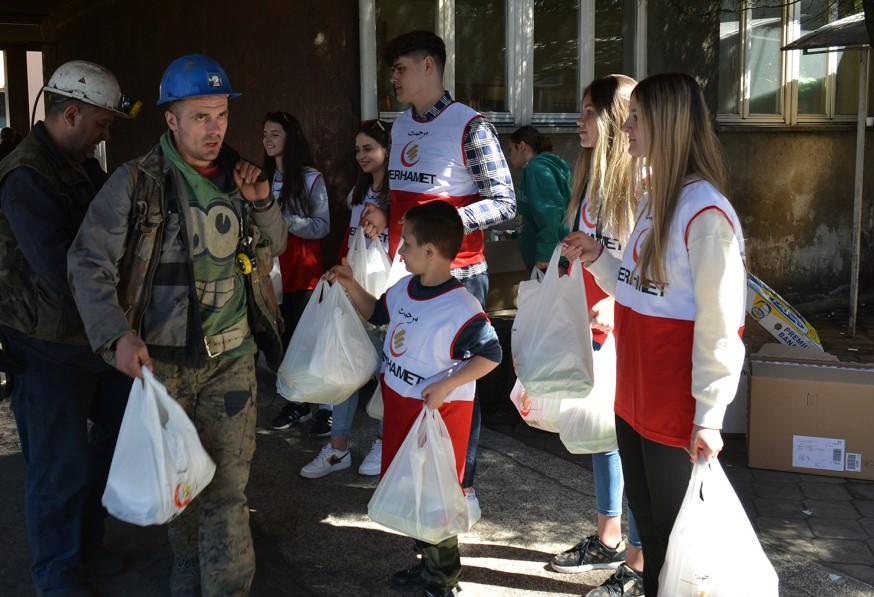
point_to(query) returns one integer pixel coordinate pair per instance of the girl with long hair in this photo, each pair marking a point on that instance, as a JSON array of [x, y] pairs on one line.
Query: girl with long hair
[[680, 291], [371, 188], [301, 193], [602, 207], [546, 188]]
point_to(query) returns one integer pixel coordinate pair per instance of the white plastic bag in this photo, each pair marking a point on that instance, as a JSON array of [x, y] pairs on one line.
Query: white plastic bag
[[369, 262], [551, 340], [713, 549], [374, 405], [537, 412], [159, 465], [276, 280], [330, 354], [398, 268], [589, 425], [420, 495]]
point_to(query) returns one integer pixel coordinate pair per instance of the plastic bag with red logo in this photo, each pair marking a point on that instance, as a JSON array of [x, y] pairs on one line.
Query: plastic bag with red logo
[[551, 339], [537, 412], [419, 495], [159, 464]]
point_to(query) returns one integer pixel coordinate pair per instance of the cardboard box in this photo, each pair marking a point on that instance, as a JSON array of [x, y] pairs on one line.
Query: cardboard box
[[811, 413], [779, 317]]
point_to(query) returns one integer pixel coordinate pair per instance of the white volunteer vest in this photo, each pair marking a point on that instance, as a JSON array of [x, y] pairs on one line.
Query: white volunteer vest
[[677, 299], [421, 336], [428, 157], [589, 225]]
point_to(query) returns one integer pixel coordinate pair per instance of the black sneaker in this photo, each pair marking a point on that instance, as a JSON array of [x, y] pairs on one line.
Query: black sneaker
[[322, 425], [625, 582], [291, 414], [409, 580], [589, 554]]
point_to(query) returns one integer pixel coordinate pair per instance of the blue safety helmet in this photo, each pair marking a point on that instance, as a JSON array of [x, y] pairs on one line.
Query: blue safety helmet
[[191, 76]]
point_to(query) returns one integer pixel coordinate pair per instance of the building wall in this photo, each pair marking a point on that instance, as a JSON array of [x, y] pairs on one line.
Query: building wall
[[300, 57]]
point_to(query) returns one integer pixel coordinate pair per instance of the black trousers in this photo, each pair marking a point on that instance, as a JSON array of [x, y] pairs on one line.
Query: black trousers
[[656, 478]]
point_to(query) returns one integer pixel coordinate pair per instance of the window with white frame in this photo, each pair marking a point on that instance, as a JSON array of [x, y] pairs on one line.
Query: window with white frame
[[760, 84], [516, 61]]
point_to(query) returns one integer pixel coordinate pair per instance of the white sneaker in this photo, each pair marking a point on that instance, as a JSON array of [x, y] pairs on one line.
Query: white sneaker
[[372, 463], [328, 461]]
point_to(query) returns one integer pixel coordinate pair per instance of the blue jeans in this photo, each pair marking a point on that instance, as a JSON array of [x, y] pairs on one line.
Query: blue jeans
[[344, 414], [67, 463], [607, 470], [478, 286]]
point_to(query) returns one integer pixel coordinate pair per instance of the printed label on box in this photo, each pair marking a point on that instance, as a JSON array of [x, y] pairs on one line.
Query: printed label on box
[[854, 462], [822, 453]]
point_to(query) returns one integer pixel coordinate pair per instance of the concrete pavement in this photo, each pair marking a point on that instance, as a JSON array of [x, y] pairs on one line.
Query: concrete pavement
[[313, 537]]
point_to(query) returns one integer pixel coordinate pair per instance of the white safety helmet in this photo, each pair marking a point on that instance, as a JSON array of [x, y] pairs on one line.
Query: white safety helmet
[[92, 84]]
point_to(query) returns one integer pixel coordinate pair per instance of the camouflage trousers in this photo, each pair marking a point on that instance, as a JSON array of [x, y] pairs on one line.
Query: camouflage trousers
[[214, 529]]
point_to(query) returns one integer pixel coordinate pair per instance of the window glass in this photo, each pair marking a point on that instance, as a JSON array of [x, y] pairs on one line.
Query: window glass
[[394, 17], [615, 22], [481, 54], [729, 58], [813, 68], [556, 55], [765, 60]]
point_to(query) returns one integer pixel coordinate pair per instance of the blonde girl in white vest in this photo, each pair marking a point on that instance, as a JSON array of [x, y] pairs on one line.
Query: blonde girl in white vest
[[602, 205], [680, 291]]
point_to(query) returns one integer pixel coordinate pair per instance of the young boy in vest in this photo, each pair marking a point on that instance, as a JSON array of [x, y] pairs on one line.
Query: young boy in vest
[[443, 149], [434, 323]]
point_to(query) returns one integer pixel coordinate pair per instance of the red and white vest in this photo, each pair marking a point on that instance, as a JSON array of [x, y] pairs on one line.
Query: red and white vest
[[655, 325], [427, 162], [594, 293], [421, 338], [301, 262]]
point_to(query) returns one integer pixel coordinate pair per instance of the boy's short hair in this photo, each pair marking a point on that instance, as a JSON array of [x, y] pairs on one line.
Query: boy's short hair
[[439, 224], [418, 43]]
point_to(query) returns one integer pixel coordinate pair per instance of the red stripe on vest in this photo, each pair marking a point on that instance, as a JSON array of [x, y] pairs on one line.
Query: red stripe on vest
[[654, 376]]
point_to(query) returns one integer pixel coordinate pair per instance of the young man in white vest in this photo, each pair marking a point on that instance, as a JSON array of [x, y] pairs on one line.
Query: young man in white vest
[[434, 326], [443, 149]]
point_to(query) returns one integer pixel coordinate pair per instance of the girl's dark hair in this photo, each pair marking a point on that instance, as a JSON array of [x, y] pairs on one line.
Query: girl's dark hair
[[380, 132], [532, 138], [295, 157]]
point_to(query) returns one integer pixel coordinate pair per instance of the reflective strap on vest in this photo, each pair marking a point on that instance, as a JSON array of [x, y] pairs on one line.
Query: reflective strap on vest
[[227, 340]]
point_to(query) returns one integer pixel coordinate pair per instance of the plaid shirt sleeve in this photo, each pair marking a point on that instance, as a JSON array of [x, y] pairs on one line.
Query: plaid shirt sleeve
[[488, 169]]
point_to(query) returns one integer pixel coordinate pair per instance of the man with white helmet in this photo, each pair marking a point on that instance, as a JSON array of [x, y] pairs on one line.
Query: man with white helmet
[[45, 189], [170, 270]]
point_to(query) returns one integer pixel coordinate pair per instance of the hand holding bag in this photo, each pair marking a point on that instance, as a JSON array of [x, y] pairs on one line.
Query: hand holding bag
[[369, 262], [159, 464], [713, 550], [420, 495], [551, 339]]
